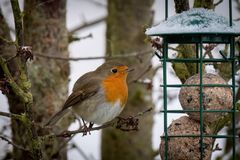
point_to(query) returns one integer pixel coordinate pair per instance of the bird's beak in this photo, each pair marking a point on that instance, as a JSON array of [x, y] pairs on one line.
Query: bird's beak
[[129, 69]]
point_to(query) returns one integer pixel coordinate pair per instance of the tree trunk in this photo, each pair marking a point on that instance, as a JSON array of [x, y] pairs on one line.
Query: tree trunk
[[125, 34], [181, 5], [44, 30], [204, 3]]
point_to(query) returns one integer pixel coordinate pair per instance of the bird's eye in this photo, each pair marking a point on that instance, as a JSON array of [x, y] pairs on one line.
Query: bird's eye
[[114, 70]]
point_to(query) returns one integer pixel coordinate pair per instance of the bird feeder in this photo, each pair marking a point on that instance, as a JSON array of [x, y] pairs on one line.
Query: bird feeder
[[198, 26]]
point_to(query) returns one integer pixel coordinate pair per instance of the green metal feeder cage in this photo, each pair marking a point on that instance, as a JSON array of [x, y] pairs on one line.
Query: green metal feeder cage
[[198, 26]]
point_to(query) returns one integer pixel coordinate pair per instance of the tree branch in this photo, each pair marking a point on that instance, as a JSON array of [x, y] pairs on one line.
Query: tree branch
[[155, 153], [23, 85], [84, 131], [157, 45], [18, 19], [87, 24], [237, 19], [81, 152], [141, 74], [238, 5], [125, 124], [24, 97], [217, 3], [134, 54], [73, 38], [15, 145], [6, 41], [10, 115], [5, 114]]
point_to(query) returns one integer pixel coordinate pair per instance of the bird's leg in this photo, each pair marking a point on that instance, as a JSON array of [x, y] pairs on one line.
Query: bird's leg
[[84, 124], [86, 128], [90, 125]]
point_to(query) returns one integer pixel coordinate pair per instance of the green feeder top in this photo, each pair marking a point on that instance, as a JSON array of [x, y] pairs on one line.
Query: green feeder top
[[194, 21]]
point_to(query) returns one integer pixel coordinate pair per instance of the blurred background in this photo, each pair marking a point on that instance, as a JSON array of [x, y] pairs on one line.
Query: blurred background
[[96, 28]]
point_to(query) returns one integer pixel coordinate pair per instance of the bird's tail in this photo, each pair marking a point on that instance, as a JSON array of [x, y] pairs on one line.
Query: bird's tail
[[54, 119]]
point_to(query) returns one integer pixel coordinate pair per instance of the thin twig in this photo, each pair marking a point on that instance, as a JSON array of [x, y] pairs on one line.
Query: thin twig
[[142, 74], [217, 148], [208, 50], [174, 49], [237, 19], [75, 38], [157, 44], [82, 130], [18, 21], [5, 114], [144, 112], [238, 5], [118, 123], [10, 115], [87, 24], [6, 41], [15, 145], [4, 128], [25, 97], [44, 3], [155, 153], [94, 58], [11, 58], [75, 146], [217, 3], [62, 146]]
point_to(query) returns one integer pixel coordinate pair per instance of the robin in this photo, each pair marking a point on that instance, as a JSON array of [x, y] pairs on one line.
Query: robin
[[98, 96]]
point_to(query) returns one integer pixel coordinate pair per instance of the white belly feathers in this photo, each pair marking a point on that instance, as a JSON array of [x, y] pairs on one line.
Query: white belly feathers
[[105, 112], [97, 110]]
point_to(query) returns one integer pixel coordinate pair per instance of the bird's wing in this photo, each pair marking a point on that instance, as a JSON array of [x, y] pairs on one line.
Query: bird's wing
[[74, 98], [82, 92]]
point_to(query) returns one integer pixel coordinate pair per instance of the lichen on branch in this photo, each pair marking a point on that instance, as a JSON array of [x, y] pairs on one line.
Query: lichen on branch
[[25, 97]]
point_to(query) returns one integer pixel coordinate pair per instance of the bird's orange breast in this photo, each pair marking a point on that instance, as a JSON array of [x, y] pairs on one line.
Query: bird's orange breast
[[115, 88]]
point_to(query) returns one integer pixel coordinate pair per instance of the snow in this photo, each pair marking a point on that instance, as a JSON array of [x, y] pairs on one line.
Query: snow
[[196, 20]]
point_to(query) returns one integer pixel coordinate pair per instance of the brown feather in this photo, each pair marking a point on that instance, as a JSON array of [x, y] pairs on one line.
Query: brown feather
[[78, 95]]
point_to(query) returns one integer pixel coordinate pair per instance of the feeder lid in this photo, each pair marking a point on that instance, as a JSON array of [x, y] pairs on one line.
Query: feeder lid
[[194, 21]]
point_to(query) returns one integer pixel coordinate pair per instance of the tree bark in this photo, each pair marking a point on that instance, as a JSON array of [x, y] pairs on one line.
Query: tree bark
[[47, 34], [181, 5], [44, 30], [203, 3], [125, 34]]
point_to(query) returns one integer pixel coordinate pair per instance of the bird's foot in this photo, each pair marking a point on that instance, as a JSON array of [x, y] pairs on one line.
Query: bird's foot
[[87, 129]]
